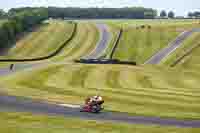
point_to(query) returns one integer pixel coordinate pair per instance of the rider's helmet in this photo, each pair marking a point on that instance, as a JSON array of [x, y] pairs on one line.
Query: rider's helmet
[[98, 98]]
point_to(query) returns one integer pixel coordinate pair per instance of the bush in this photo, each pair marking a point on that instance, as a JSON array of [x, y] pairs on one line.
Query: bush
[[142, 26], [149, 26]]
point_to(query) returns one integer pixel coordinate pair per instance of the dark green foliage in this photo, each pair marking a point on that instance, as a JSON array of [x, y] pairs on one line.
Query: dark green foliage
[[2, 14], [134, 12], [195, 14], [171, 14], [163, 14], [19, 21]]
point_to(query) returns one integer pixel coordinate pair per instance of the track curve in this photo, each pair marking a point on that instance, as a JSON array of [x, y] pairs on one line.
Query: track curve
[[102, 44]]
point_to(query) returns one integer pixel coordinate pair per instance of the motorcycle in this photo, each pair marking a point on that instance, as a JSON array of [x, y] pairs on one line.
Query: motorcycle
[[92, 107]]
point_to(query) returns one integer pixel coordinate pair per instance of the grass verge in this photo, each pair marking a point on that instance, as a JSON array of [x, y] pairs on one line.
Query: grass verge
[[29, 123]]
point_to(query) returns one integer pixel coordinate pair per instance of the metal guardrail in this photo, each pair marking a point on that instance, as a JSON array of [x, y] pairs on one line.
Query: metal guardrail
[[105, 61], [116, 43], [184, 55]]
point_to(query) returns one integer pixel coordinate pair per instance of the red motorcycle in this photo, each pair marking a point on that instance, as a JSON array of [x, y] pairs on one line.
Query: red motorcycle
[[93, 105]]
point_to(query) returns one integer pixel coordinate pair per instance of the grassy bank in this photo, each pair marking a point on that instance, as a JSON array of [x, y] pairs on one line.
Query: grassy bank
[[42, 41], [136, 90], [191, 62], [82, 44], [26, 122]]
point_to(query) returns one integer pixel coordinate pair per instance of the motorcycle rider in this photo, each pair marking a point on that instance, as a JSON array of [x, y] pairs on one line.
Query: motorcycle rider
[[95, 100], [11, 67], [98, 99], [93, 104]]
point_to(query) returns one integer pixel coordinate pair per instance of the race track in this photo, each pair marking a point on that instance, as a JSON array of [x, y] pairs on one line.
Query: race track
[[13, 104]]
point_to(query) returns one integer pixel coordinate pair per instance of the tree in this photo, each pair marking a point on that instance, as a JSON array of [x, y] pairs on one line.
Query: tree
[[171, 14], [127, 12], [19, 21], [163, 14], [2, 13], [195, 14], [190, 14]]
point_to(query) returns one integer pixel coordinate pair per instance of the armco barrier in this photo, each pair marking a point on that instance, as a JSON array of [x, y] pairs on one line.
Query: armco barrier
[[57, 51], [116, 43], [184, 55], [105, 61]]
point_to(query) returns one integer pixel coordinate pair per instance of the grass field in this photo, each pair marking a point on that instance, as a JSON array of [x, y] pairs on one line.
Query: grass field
[[82, 44], [136, 90], [42, 41], [29, 123], [156, 22], [139, 44]]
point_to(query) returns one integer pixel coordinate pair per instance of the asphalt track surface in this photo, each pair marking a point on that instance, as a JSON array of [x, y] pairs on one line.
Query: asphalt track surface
[[19, 104], [102, 44], [172, 46]]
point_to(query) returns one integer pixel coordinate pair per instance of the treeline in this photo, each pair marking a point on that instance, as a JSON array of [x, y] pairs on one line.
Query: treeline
[[98, 13], [18, 22], [195, 14], [165, 14], [3, 14]]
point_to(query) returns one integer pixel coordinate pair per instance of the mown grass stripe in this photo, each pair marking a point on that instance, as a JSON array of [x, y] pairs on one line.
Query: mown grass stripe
[[173, 97], [78, 77]]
